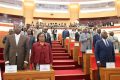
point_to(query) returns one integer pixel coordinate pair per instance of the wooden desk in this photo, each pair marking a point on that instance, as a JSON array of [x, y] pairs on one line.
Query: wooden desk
[[110, 74], [30, 75], [86, 62]]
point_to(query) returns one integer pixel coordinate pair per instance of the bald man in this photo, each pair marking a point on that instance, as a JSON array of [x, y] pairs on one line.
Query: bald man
[[47, 35], [104, 51], [16, 51]]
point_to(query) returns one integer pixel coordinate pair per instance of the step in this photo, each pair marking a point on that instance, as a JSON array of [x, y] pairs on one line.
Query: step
[[60, 57], [60, 54], [74, 74], [58, 51], [64, 67], [63, 62]]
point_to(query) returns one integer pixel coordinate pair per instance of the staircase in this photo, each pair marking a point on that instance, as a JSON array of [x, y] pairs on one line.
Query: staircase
[[65, 67]]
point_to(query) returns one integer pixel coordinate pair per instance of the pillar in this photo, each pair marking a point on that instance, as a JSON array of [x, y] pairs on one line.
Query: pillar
[[74, 12], [28, 7]]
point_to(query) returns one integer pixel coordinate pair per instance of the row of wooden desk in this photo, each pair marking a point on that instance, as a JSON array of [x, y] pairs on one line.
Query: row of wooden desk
[[30, 75], [91, 69]]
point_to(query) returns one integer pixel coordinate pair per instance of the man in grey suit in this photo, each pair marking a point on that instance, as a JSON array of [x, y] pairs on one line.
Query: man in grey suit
[[114, 39], [84, 37], [16, 51]]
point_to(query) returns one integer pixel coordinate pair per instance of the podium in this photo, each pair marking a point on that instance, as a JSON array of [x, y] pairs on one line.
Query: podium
[[30, 75]]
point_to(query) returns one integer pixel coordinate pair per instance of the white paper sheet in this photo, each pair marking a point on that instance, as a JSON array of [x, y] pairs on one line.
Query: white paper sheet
[[110, 65], [45, 67], [10, 68]]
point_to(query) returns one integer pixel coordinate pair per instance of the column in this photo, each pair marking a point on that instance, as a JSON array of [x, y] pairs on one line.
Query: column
[[74, 12], [28, 7]]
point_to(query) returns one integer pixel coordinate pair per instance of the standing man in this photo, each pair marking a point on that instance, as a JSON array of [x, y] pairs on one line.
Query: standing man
[[84, 40], [24, 32], [54, 32], [104, 52], [114, 39], [77, 35], [47, 36], [96, 37], [16, 51], [65, 34], [10, 33]]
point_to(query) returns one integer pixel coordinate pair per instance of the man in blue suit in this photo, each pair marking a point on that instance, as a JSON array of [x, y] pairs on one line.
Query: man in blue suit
[[104, 52], [65, 33], [96, 37]]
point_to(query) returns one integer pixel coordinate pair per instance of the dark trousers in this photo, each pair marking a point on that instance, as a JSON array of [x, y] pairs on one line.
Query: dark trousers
[[54, 36]]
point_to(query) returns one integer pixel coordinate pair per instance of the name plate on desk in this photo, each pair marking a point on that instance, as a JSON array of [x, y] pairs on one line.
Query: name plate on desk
[[10, 68], [89, 51], [45, 67], [76, 44], [67, 37], [110, 65], [72, 40]]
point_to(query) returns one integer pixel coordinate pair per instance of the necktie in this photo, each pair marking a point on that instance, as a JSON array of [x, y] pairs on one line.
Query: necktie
[[107, 44]]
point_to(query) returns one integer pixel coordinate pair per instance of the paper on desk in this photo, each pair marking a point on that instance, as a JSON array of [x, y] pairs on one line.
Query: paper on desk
[[72, 40], [45, 67], [76, 44], [110, 64], [10, 68], [89, 51]]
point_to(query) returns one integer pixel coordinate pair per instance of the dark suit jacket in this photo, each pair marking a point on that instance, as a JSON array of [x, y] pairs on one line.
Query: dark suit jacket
[[104, 54], [95, 39], [31, 41], [48, 38], [21, 49], [77, 36], [65, 34]]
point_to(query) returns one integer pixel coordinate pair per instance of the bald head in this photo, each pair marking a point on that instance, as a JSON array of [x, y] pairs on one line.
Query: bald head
[[104, 35]]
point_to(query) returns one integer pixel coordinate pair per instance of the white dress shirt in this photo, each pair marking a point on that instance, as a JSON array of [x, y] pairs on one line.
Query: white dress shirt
[[17, 37]]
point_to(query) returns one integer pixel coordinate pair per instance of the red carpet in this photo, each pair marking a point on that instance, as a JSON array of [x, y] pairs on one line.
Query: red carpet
[[65, 67]]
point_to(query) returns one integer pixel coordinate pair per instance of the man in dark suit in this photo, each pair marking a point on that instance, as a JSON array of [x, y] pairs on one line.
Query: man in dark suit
[[16, 51], [96, 37], [77, 35], [104, 52], [65, 33], [10, 33], [47, 36]]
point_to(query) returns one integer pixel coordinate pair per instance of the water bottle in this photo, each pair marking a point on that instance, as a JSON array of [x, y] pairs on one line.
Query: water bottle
[[37, 67]]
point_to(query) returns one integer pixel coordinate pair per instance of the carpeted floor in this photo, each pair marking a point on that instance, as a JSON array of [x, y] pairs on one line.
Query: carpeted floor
[[64, 66]]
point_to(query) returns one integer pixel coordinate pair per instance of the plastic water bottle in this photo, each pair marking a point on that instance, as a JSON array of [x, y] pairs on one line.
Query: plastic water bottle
[[37, 67]]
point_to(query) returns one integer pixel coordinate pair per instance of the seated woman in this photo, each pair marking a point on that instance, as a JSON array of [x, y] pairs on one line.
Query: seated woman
[[41, 51]]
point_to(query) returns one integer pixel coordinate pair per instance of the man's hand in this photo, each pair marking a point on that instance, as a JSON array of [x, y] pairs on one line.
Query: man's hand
[[99, 64], [25, 66]]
